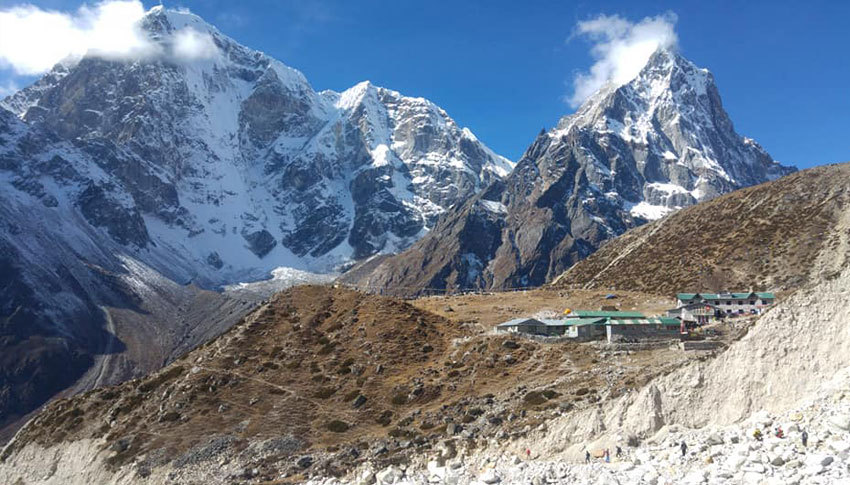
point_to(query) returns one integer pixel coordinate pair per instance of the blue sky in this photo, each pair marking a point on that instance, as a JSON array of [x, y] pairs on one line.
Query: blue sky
[[505, 68]]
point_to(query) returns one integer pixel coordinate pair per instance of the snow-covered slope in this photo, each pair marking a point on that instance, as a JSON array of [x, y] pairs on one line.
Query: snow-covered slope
[[237, 166], [122, 181], [630, 154], [669, 126]]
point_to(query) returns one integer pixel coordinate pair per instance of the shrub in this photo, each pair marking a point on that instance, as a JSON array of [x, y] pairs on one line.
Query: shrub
[[324, 392], [337, 426], [534, 398]]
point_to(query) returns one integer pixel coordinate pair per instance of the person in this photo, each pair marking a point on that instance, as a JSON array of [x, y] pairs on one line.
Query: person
[[757, 434], [607, 455], [805, 437], [619, 452], [528, 453], [684, 449], [779, 433], [586, 456]]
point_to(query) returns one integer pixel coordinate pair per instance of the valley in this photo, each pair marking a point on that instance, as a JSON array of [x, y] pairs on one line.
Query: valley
[[345, 378], [214, 272]]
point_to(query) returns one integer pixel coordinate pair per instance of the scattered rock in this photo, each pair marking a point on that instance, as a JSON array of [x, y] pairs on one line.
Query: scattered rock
[[714, 439], [489, 477], [390, 474], [841, 421]]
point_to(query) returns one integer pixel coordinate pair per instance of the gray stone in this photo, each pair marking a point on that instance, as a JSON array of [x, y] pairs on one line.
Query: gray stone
[[840, 421], [260, 242], [714, 439], [489, 477]]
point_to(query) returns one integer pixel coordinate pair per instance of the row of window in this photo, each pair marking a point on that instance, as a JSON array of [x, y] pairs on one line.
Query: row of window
[[752, 303]]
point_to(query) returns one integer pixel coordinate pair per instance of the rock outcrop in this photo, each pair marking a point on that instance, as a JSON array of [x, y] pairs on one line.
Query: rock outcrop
[[630, 154], [210, 171]]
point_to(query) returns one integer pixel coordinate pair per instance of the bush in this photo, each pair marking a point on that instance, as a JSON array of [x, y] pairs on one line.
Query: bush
[[337, 426], [385, 418], [324, 392], [534, 398]]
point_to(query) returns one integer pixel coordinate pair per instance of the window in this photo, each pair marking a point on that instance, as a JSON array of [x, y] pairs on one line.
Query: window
[[753, 303], [728, 302]]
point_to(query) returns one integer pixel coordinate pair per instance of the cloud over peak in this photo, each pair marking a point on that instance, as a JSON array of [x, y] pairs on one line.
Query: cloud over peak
[[620, 48], [33, 40]]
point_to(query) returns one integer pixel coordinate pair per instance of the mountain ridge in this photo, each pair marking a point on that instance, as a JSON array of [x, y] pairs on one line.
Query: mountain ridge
[[131, 187], [630, 154], [779, 235]]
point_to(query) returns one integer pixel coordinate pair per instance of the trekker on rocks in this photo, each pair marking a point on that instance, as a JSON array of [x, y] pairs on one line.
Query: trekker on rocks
[[684, 449], [757, 434], [619, 452], [607, 455], [586, 456], [805, 437]]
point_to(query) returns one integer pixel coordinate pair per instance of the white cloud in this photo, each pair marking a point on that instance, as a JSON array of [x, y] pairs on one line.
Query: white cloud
[[190, 44], [33, 40], [9, 88], [621, 49]]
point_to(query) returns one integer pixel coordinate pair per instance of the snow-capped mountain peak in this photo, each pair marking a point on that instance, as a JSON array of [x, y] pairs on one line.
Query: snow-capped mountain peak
[[631, 153], [671, 119], [216, 142]]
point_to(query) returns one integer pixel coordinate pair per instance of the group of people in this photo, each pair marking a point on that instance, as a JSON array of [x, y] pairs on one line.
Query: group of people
[[606, 455], [757, 434], [804, 436]]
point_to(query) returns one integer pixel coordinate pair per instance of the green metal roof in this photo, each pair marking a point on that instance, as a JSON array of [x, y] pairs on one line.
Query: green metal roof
[[604, 314], [580, 322], [666, 321]]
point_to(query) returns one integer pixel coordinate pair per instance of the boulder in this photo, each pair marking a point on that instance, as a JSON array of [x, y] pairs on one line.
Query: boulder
[[260, 242], [753, 468], [819, 460], [489, 477], [391, 474], [359, 401], [840, 446], [840, 421], [714, 439]]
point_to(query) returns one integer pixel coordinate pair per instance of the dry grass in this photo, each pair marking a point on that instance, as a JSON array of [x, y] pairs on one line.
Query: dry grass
[[295, 367], [775, 236]]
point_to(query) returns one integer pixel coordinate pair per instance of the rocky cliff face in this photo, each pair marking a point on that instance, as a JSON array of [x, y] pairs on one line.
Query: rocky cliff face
[[630, 154], [237, 153], [122, 181]]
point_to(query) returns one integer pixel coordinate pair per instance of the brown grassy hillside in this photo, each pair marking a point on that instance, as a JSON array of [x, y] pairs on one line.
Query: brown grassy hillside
[[777, 235], [342, 377]]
